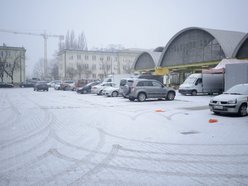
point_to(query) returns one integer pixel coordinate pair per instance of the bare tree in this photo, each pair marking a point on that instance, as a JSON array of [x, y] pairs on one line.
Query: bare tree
[[105, 67], [54, 70], [83, 69], [70, 72], [79, 70], [82, 43], [71, 42], [9, 66], [38, 71], [14, 66], [3, 61], [128, 68]]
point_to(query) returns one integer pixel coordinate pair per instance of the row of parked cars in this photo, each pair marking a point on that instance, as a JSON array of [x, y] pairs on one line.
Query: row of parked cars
[[234, 100], [131, 88]]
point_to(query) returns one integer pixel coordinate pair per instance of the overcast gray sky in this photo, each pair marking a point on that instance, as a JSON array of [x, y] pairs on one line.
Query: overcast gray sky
[[143, 24]]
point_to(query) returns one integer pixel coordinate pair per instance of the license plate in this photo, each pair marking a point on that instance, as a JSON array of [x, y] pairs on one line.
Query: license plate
[[218, 107]]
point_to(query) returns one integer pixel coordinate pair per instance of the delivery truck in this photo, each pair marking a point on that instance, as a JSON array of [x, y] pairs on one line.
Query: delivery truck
[[204, 83], [116, 78]]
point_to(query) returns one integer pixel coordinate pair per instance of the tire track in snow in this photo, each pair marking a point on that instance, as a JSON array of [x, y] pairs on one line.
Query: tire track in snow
[[49, 119], [28, 151], [165, 143], [104, 163], [78, 163], [13, 117]]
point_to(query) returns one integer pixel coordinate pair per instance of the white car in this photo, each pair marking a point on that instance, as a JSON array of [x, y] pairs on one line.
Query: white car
[[53, 83], [235, 100], [97, 89], [111, 91]]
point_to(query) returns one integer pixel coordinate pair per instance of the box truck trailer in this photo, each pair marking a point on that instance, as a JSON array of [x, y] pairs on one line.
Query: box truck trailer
[[202, 83]]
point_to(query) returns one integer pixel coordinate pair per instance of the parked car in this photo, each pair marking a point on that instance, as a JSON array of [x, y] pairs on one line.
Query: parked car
[[143, 89], [87, 88], [6, 85], [57, 86], [53, 83], [234, 100], [97, 89], [111, 91], [67, 85], [41, 85], [28, 83]]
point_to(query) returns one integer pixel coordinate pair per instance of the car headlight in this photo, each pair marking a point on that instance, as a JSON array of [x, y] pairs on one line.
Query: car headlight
[[234, 101]]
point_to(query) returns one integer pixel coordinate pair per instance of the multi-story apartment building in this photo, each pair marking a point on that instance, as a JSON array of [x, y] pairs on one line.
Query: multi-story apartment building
[[81, 64], [12, 64]]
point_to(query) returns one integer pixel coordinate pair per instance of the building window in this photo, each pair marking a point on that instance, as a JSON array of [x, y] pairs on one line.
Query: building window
[[86, 66], [94, 58], [108, 58], [86, 57], [78, 57], [93, 67]]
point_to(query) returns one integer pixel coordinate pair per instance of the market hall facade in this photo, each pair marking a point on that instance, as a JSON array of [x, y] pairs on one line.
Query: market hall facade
[[193, 49]]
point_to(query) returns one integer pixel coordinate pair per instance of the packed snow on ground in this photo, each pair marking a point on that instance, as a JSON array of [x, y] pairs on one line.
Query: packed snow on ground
[[65, 138]]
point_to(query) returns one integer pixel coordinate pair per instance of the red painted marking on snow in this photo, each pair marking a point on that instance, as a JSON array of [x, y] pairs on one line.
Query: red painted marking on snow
[[159, 110], [212, 121]]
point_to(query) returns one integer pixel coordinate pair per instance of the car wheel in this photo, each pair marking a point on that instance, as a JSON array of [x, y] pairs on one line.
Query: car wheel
[[243, 110], [114, 94], [131, 99], [170, 96], [193, 92], [217, 113], [142, 97]]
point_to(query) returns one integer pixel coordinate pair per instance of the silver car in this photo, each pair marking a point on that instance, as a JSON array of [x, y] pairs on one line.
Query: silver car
[[143, 89], [97, 89], [235, 100]]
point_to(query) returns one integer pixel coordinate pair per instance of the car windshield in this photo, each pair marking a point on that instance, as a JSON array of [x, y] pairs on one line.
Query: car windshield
[[190, 80], [238, 90]]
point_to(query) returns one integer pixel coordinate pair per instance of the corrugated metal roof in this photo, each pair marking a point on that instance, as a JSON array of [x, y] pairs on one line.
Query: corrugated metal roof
[[155, 56], [228, 40]]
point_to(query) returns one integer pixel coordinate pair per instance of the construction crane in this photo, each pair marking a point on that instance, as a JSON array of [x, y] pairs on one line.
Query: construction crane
[[45, 37]]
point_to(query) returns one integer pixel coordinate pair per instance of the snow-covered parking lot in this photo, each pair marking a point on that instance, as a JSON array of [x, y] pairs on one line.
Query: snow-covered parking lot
[[64, 138]]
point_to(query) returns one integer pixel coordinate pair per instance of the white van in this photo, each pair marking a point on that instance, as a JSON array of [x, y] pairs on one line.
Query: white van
[[202, 83]]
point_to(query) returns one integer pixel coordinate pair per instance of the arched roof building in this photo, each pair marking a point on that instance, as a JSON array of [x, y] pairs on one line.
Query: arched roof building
[[196, 46], [241, 51], [146, 61]]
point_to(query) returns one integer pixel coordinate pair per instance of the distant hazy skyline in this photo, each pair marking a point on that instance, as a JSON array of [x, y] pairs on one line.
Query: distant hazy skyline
[[143, 24]]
